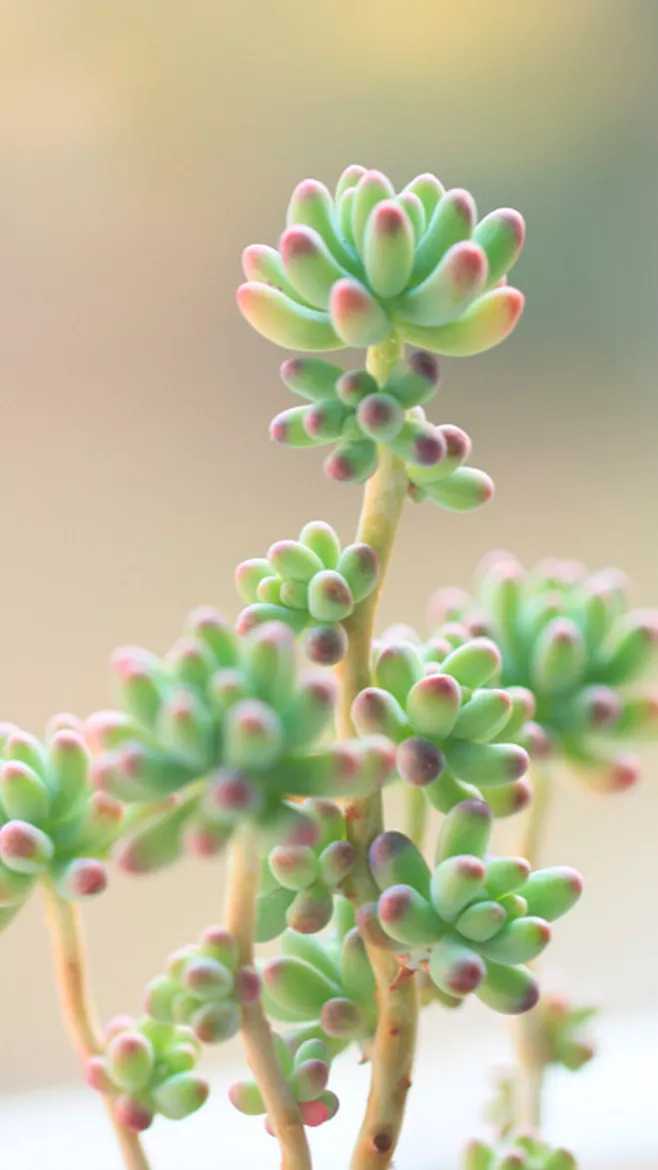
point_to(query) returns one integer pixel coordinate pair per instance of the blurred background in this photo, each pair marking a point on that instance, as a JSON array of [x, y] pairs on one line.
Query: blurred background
[[143, 143]]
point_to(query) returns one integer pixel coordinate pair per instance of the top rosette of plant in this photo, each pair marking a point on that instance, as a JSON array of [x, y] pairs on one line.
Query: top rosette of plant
[[369, 263], [571, 637]]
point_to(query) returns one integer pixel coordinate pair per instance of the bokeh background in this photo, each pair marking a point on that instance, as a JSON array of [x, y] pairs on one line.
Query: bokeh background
[[143, 143]]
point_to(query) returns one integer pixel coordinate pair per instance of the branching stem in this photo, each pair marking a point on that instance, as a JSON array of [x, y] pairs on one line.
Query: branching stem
[[283, 1113], [70, 961], [395, 1039]]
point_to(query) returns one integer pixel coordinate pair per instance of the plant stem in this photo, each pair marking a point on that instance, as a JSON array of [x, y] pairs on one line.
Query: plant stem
[[395, 1038], [531, 1065], [282, 1110], [70, 961]]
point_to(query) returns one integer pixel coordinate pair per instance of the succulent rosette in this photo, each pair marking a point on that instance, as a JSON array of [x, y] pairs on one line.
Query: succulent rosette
[[225, 726], [324, 983], [560, 1032], [52, 822], [305, 1066], [299, 882], [571, 637], [310, 584], [148, 1068], [454, 727], [352, 413], [370, 263], [204, 986], [525, 1153], [474, 920]]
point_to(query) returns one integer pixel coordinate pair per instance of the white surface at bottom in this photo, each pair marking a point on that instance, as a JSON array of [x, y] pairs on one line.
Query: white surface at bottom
[[607, 1114]]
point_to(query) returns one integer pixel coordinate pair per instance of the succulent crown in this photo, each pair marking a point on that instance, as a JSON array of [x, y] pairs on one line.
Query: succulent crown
[[221, 730], [572, 638], [368, 263], [454, 727], [51, 821], [474, 920]]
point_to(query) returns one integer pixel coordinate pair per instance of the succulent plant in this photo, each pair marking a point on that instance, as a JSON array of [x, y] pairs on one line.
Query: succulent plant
[[352, 413], [453, 728], [526, 1153], [324, 982], [203, 987], [225, 722], [473, 919], [355, 268], [305, 1067], [309, 584], [299, 881], [52, 823], [147, 1068], [571, 637], [228, 736]]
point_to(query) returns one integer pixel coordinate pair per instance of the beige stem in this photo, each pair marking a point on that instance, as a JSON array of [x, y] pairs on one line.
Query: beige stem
[[70, 961], [283, 1113], [394, 1044], [531, 1065]]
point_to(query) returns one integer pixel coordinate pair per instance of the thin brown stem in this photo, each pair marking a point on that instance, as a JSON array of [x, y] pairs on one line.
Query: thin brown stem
[[70, 962], [282, 1109], [395, 1039], [527, 1036]]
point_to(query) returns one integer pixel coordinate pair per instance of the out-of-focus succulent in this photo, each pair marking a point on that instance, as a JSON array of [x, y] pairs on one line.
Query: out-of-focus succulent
[[526, 1153], [51, 820], [453, 725], [203, 987], [225, 723], [324, 982], [369, 263], [299, 881], [310, 584], [560, 1033], [573, 639], [349, 411], [474, 919], [305, 1065], [146, 1068]]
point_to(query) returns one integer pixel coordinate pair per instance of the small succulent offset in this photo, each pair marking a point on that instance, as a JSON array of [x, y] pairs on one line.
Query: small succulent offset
[[564, 1036], [527, 1153], [472, 922], [453, 728], [52, 824], [572, 638], [351, 412], [305, 1068], [147, 1068], [203, 987], [231, 742], [300, 882], [309, 584], [325, 983]]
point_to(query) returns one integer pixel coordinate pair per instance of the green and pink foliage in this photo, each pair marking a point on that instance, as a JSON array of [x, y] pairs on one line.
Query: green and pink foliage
[[572, 637], [148, 1068], [223, 729], [473, 920], [367, 263], [52, 824], [456, 728]]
